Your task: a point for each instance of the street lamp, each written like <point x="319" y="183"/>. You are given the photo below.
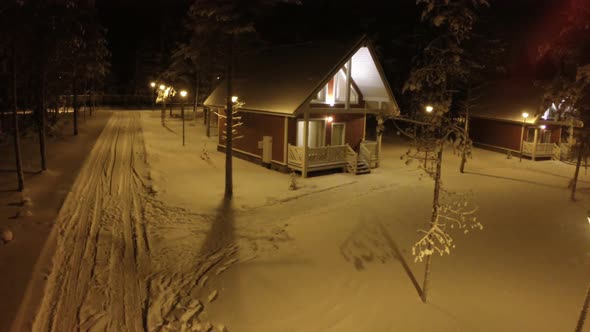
<point x="163" y="111"/>
<point x="183" y="94"/>
<point x="525" y="115"/>
<point x="428" y="110"/>
<point x="584" y="313"/>
<point x="152" y="97"/>
<point x="234" y="99"/>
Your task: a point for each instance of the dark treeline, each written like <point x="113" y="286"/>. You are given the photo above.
<point x="51" y="52"/>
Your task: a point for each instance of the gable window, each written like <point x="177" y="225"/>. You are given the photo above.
<point x="334" y="92"/>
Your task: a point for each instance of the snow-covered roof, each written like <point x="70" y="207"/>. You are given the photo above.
<point x="282" y="79"/>
<point x="507" y="99"/>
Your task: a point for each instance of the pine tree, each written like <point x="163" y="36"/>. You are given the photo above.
<point x="228" y="19"/>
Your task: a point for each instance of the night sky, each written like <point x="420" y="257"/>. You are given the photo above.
<point x="140" y="28"/>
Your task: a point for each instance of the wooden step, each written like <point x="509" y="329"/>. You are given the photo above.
<point x="362" y="168"/>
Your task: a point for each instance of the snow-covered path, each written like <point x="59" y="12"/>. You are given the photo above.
<point x="105" y="273"/>
<point x="101" y="261"/>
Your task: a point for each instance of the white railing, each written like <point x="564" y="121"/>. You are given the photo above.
<point x="326" y="155"/>
<point x="351" y="160"/>
<point x="365" y="155"/>
<point x="316" y="157"/>
<point x="544" y="149"/>
<point x="295" y="156"/>
<point x="541" y="150"/>
<point x="373" y="149"/>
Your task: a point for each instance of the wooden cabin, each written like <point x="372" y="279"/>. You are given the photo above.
<point x="497" y="122"/>
<point x="304" y="107"/>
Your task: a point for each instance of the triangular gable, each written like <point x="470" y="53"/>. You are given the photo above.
<point x="281" y="80"/>
<point x="368" y="76"/>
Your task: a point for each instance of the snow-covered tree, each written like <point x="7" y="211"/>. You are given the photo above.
<point x="569" y="87"/>
<point x="438" y="70"/>
<point x="228" y="19"/>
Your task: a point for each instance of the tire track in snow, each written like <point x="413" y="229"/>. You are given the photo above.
<point x="97" y="277"/>
<point x="117" y="267"/>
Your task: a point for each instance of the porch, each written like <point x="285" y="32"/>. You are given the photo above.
<point x="334" y="157"/>
<point x="537" y="150"/>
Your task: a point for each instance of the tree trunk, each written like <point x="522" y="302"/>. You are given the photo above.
<point x="16" y="133"/>
<point x="435" y="207"/>
<point x="91" y="98"/>
<point x="75" y="104"/>
<point x="229" y="122"/>
<point x="464" y="153"/>
<point x="196" y="102"/>
<point x="41" y="124"/>
<point x="207" y="116"/>
<point x="163" y="112"/>
<point x="578" y="163"/>
<point x="466" y="129"/>
<point x="584" y="312"/>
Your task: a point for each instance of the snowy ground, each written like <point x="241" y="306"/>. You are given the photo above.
<point x="31" y="223"/>
<point x="147" y="242"/>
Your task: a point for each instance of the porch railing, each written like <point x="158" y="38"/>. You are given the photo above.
<point x="351" y="160"/>
<point x="541" y="150"/>
<point x="295" y="155"/>
<point x="365" y="155"/>
<point x="373" y="152"/>
<point x="316" y="157"/>
<point x="325" y="155"/>
<point x="333" y="156"/>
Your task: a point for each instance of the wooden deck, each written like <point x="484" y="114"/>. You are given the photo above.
<point x="334" y="157"/>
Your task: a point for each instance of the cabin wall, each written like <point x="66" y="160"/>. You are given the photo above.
<point x="254" y="127"/>
<point x="495" y="133"/>
<point x="353" y="133"/>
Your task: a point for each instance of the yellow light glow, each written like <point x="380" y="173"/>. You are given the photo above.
<point x="429" y="109"/>
<point x="183" y="93"/>
<point x="234" y="99"/>
<point x="525" y="115"/>
<point x="162" y="87"/>
<point x="329" y="119"/>
<point x="542" y="126"/>
<point x="153" y="84"/>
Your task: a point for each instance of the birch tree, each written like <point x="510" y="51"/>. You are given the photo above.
<point x="437" y="71"/>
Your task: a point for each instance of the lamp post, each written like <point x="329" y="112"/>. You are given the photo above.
<point x="428" y="109"/>
<point x="163" y="112"/>
<point x="183" y="94"/>
<point x="153" y="92"/>
<point x="524" y="116"/>
<point x="584" y="312"/>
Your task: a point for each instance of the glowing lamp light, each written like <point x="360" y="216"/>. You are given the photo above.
<point x="542" y="126"/>
<point x="330" y="99"/>
<point x="183" y="93"/>
<point x="329" y="119"/>
<point x="153" y="84"/>
<point x="525" y="115"/>
<point x="162" y="87"/>
<point x="429" y="109"/>
<point x="234" y="99"/>
<point x="218" y="77"/>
